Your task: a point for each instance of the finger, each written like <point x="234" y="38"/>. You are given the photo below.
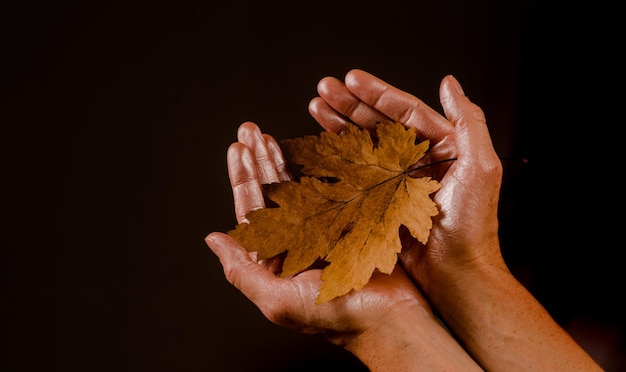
<point x="247" y="189"/>
<point x="253" y="280"/>
<point x="339" y="97"/>
<point x="278" y="159"/>
<point x="250" y="135"/>
<point x="326" y="116"/>
<point x="275" y="264"/>
<point x="473" y="137"/>
<point x="281" y="300"/>
<point x="398" y="105"/>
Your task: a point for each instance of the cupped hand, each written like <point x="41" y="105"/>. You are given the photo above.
<point x="387" y="324"/>
<point x="460" y="269"/>
<point x="464" y="233"/>
<point x="254" y="160"/>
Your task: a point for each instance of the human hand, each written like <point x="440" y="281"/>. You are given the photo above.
<point x="470" y="183"/>
<point x="460" y="269"/>
<point x="374" y="323"/>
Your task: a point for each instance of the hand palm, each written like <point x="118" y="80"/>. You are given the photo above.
<point x="255" y="160"/>
<point x="466" y="194"/>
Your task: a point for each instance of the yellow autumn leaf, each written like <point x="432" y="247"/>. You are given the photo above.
<point x="352" y="221"/>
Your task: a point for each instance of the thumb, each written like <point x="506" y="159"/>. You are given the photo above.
<point x="240" y="269"/>
<point x="453" y="99"/>
<point x="472" y="137"/>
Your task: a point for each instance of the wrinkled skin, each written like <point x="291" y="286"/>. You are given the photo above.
<point x="388" y="324"/>
<point x="470" y="184"/>
<point x="460" y="269"/>
<point x="365" y="322"/>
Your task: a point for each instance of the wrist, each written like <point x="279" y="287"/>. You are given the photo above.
<point x="502" y="324"/>
<point x="410" y="339"/>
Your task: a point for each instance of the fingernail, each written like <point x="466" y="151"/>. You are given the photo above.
<point x="454" y="84"/>
<point x="210" y="238"/>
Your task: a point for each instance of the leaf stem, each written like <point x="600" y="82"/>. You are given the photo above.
<point x="431" y="164"/>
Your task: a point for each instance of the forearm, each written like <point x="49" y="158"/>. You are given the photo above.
<point x="411" y="341"/>
<point x="504" y="327"/>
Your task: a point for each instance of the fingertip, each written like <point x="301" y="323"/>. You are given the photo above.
<point x="354" y="73"/>
<point x="351" y="77"/>
<point x="214" y="242"/>
<point x="314" y="105"/>
<point x="354" y="76"/>
<point x="247" y="132"/>
<point x="247" y="126"/>
<point x="233" y="148"/>
<point x="214" y="239"/>
<point x="325" y="84"/>
<point x="225" y="247"/>
<point x="239" y="154"/>
<point x="323" y="81"/>
<point x="451" y="85"/>
<point x="326" y="116"/>
<point x="212" y="236"/>
<point x="449" y="93"/>
<point x="360" y="83"/>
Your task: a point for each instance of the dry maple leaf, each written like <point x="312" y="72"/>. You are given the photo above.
<point x="353" y="222"/>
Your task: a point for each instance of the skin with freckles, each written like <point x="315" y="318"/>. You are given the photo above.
<point x="460" y="270"/>
<point x="388" y="324"/>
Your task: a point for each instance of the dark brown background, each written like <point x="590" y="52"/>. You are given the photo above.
<point x="116" y="123"/>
